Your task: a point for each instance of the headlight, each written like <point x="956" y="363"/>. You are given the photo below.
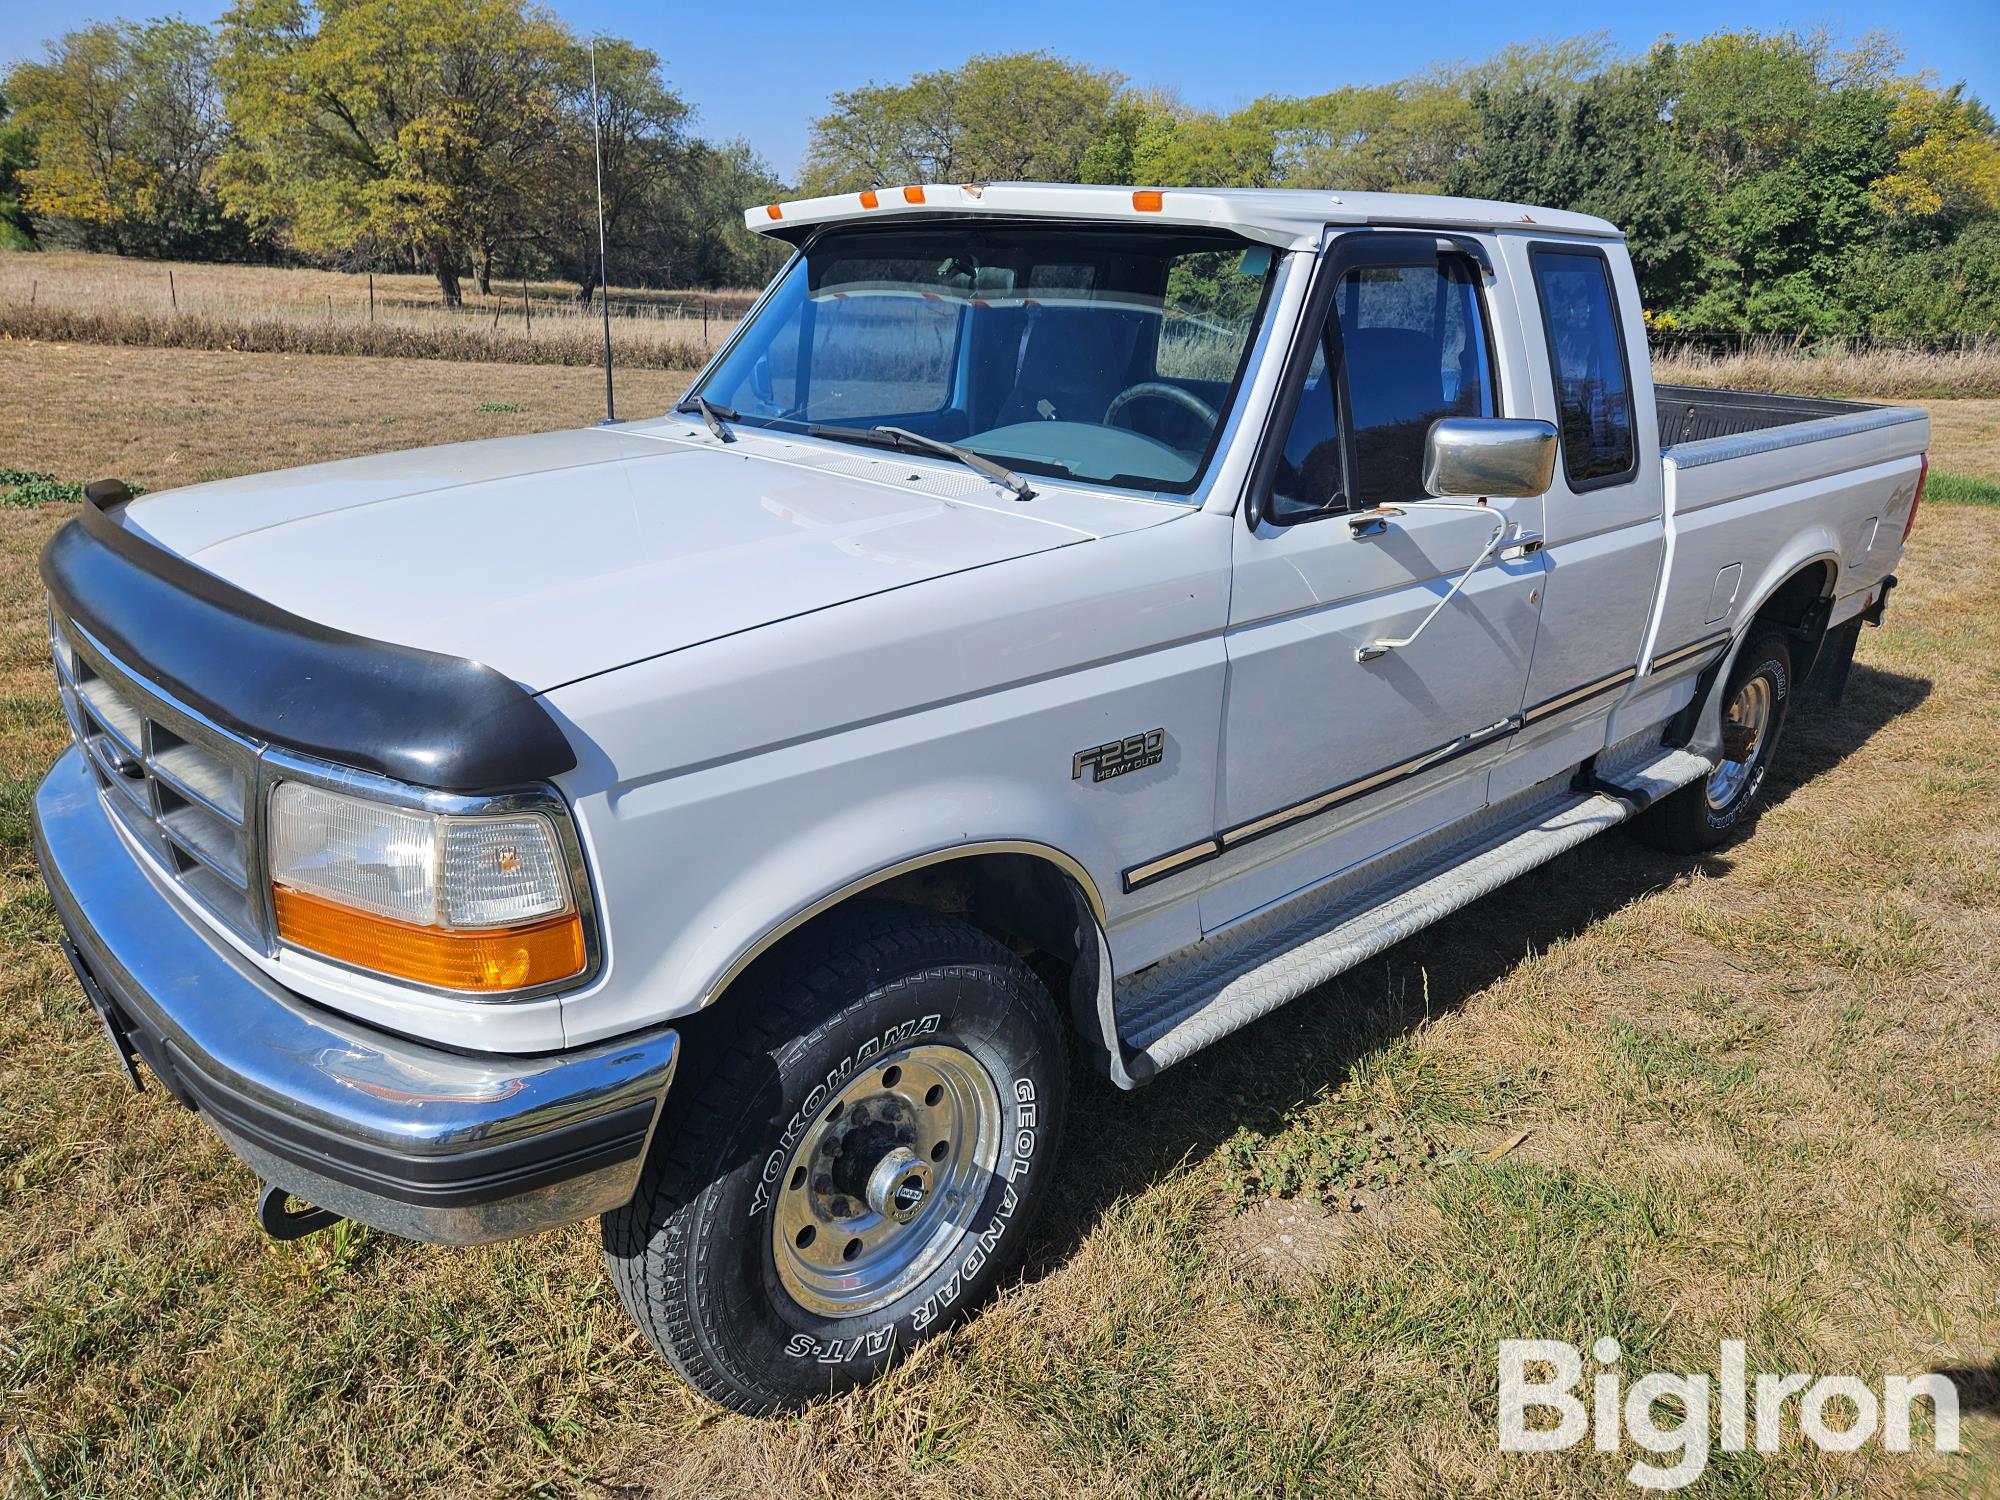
<point x="475" y="903"/>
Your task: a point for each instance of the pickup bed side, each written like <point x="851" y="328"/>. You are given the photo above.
<point x="1785" y="487"/>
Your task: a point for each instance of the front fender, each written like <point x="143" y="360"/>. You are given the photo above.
<point x="728" y="876"/>
<point x="731" y="937"/>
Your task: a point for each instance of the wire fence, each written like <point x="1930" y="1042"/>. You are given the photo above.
<point x="1716" y="342"/>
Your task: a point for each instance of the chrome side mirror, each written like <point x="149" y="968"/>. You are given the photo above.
<point x="1479" y="458"/>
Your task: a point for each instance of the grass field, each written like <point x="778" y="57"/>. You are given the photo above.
<point x="1675" y="1102"/>
<point x="72" y="296"/>
<point x="1888" y="374"/>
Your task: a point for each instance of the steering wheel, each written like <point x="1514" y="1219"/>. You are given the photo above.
<point x="1164" y="392"/>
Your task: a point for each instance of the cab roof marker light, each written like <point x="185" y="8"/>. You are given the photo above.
<point x="1148" y="200"/>
<point x="913" y="195"/>
<point x="869" y="199"/>
<point x="772" y="210"/>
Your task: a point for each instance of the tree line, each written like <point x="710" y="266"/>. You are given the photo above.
<point x="452" y="136"/>
<point x="1769" y="182"/>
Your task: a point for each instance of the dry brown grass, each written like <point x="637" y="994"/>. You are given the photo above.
<point x="163" y="417"/>
<point x="74" y="296"/>
<point x="1965" y="437"/>
<point x="1759" y="1090"/>
<point x="571" y="342"/>
<point x="1839" y="371"/>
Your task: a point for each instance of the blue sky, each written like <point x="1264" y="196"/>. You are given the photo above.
<point x="765" y="80"/>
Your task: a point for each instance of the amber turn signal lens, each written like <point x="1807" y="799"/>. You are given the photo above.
<point x="1149" y="200"/>
<point x="492" y="960"/>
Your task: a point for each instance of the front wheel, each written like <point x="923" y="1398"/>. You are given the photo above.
<point x="1706" y="814"/>
<point x="854" y="1169"/>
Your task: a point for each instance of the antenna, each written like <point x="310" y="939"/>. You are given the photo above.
<point x="603" y="275"/>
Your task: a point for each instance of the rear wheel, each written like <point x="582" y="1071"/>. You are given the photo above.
<point x="855" y="1166"/>
<point x="1707" y="813"/>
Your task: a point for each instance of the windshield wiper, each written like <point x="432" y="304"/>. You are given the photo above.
<point x="713" y="415"/>
<point x="1000" y="474"/>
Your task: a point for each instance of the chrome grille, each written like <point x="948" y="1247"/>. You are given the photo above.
<point x="180" y="785"/>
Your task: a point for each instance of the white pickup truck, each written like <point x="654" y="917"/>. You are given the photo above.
<point x="1062" y="623"/>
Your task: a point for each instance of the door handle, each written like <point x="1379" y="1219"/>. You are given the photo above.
<point x="1374" y="522"/>
<point x="1524" y="544"/>
<point x="1377" y="649"/>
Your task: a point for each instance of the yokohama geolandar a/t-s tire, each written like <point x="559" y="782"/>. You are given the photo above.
<point x="849" y="1160"/>
<point x="1709" y="812"/>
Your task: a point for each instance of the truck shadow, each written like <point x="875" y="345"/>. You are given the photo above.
<point x="1978" y="1386"/>
<point x="1253" y="1078"/>
<point x="1818" y="738"/>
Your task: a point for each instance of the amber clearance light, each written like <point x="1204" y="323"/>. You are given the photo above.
<point x="478" y="903"/>
<point x="504" y="958"/>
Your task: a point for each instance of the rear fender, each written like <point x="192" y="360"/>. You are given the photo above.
<point x="1701" y="723"/>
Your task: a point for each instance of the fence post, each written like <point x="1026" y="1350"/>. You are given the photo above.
<point x="371" y="296"/>
<point x="527" y="309"/>
<point x="172" y="296"/>
<point x="704" y="327"/>
<point x="329" y="307"/>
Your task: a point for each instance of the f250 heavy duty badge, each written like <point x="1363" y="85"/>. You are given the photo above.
<point x="1133" y="753"/>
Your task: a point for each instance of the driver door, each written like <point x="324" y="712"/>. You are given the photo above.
<point x="1329" y="760"/>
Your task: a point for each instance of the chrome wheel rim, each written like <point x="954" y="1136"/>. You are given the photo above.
<point x="885" y="1180"/>
<point x="1744" y="727"/>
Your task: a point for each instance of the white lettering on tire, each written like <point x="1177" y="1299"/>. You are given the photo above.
<point x="848" y="1066"/>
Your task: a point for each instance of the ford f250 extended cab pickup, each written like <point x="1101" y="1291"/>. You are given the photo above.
<point x="1063" y="622"/>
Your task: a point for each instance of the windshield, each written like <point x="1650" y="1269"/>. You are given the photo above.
<point x="1106" y="355"/>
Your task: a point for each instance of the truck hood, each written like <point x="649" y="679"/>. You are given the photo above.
<point x="556" y="556"/>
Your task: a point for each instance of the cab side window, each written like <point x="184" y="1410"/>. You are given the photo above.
<point x="1403" y="346"/>
<point x="1587" y="360"/>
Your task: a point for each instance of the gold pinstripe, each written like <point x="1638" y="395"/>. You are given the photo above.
<point x="1578" y="695"/>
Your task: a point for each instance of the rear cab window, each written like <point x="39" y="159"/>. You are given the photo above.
<point x="1586" y="347"/>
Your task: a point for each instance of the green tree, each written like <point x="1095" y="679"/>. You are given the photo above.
<point x="1947" y="154"/>
<point x="1001" y="116"/>
<point x="17" y="155"/>
<point x="1401" y="137"/>
<point x="1179" y="147"/>
<point x="1558" y="68"/>
<point x="719" y="250"/>
<point x="128" y="125"/>
<point x="365" y="123"/>
<point x="1605" y="150"/>
<point x="646" y="168"/>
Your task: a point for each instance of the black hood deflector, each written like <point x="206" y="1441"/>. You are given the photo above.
<point x="419" y="716"/>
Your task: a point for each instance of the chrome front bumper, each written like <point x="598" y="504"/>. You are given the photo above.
<point x="426" y="1143"/>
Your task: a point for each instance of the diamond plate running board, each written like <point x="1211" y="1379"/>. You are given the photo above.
<point x="1176" y="1007"/>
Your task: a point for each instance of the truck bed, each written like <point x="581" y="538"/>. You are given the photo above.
<point x="1759" y="483"/>
<point x="1690" y="413"/>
